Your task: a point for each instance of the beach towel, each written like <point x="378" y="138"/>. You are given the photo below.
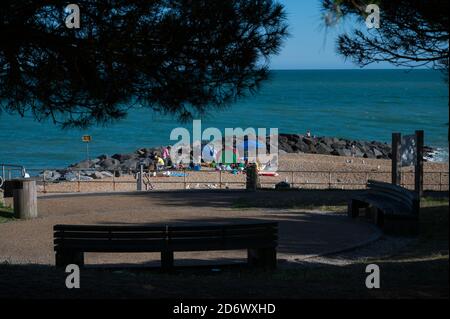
<point x="176" y="174"/>
<point x="269" y="174"/>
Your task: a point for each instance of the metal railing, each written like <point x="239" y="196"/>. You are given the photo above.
<point x="10" y="171"/>
<point x="187" y="179"/>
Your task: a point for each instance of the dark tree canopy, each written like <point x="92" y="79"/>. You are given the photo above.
<point x="176" y="56"/>
<point x="413" y="32"/>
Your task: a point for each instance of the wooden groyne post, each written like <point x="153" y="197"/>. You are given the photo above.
<point x="396" y="158"/>
<point x="418" y="176"/>
<point x="24" y="198"/>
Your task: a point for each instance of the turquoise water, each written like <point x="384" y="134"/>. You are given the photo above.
<point x="356" y="104"/>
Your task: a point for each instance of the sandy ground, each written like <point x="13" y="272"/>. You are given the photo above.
<point x="302" y="233"/>
<point x="302" y="170"/>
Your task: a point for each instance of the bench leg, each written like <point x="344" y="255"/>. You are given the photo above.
<point x="167" y="260"/>
<point x="378" y="217"/>
<point x="353" y="209"/>
<point x="64" y="258"/>
<point x="262" y="258"/>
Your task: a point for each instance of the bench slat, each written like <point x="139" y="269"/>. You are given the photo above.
<point x="393" y="188"/>
<point x="388" y="199"/>
<point x="393" y="198"/>
<point x="394" y="195"/>
<point x="170" y="241"/>
<point x="114" y="228"/>
<point x="180" y="247"/>
<point x="227" y="245"/>
<point x="225" y="226"/>
<point x="170" y="233"/>
<point x="386" y="205"/>
<point x="223" y="232"/>
<point x="108" y="235"/>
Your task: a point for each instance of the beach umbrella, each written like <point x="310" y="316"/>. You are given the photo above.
<point x="245" y="145"/>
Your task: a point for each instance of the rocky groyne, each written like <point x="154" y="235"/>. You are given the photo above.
<point x="293" y="143"/>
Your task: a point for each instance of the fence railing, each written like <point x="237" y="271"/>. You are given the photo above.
<point x="9" y="171"/>
<point x="120" y="180"/>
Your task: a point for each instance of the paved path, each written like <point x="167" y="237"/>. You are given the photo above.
<point x="302" y="233"/>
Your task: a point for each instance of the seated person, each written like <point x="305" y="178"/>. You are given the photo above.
<point x="159" y="163"/>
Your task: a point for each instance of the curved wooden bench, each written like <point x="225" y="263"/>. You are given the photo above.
<point x="72" y="241"/>
<point x="387" y="201"/>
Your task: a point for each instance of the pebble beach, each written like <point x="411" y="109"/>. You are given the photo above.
<point x="310" y="171"/>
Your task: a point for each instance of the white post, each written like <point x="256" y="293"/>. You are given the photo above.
<point x="140" y="179"/>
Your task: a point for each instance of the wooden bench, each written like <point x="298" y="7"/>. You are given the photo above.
<point x="384" y="201"/>
<point x="72" y="241"/>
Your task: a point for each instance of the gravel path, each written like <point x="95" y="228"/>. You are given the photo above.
<point x="303" y="234"/>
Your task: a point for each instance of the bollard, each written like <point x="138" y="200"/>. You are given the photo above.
<point x="25" y="198"/>
<point x="140" y="179"/>
<point x="252" y="178"/>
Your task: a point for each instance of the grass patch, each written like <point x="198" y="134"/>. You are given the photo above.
<point x="433" y="201"/>
<point x="308" y="199"/>
<point x="320" y="200"/>
<point x="6" y="213"/>
<point x="434" y="221"/>
<point x="246" y="204"/>
<point x="431" y="246"/>
<point x="241" y="203"/>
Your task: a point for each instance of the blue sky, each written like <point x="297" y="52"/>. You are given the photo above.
<point x="310" y="45"/>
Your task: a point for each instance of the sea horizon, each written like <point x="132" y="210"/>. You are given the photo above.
<point x="369" y="104"/>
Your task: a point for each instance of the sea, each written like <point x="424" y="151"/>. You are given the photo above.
<point x="354" y="104"/>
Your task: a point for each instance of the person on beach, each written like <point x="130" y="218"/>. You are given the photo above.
<point x="159" y="163"/>
<point x="166" y="156"/>
<point x="259" y="167"/>
<point x="308" y="134"/>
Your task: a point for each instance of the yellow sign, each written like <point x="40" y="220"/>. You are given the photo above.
<point x="86" y="138"/>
